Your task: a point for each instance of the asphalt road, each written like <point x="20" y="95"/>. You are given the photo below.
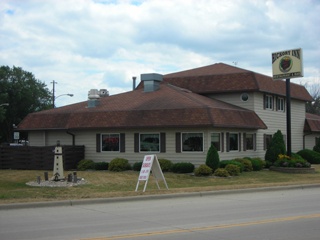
<point x="284" y="214"/>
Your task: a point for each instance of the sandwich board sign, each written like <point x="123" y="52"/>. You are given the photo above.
<point x="287" y="64"/>
<point x="150" y="163"/>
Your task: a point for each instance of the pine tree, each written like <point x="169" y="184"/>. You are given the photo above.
<point x="276" y="147"/>
<point x="212" y="159"/>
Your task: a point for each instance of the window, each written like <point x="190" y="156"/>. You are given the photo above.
<point x="150" y="142"/>
<point x="110" y="142"/>
<point x="280" y="104"/>
<point x="234" y="142"/>
<point x="192" y="142"/>
<point x="216" y="141"/>
<point x="269" y="102"/>
<point x="249" y="141"/>
<point x="244" y="97"/>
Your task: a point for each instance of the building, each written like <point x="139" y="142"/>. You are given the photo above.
<point x="178" y="116"/>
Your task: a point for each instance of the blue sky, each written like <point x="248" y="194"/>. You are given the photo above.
<point x="86" y="44"/>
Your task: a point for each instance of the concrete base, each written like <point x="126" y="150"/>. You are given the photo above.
<point x="292" y="170"/>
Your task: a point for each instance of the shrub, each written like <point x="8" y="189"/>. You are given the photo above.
<point x="316" y="148"/>
<point x="233" y="169"/>
<point x="182" y="168"/>
<point x="309" y="155"/>
<point x="119" y="165"/>
<point x="85" y="164"/>
<point x="224" y="163"/>
<point x="137" y="166"/>
<point x="247" y="165"/>
<point x="203" y="170"/>
<point x="165" y="165"/>
<point x="296" y="156"/>
<point x="256" y="164"/>
<point x="212" y="159"/>
<point x="268" y="164"/>
<point x="276" y="147"/>
<point x="221" y="172"/>
<point x="262" y="162"/>
<point x="295" y="163"/>
<point x="101" y="166"/>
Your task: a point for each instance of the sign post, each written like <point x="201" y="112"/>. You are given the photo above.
<point x="150" y="163"/>
<point x="287" y="64"/>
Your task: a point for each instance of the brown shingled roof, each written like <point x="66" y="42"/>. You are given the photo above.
<point x="167" y="107"/>
<point x="312" y="123"/>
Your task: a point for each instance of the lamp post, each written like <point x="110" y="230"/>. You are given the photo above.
<point x="67" y="94"/>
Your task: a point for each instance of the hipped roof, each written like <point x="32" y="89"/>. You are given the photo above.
<point x="312" y="123"/>
<point x="169" y="106"/>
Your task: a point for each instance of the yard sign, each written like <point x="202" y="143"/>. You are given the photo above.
<point x="150" y="163"/>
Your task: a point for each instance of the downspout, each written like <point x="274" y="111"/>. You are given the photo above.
<point x="73" y="137"/>
<point x="304" y="140"/>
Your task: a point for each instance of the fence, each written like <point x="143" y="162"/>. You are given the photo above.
<point x="38" y="158"/>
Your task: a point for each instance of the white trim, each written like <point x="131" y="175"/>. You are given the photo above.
<point x="192" y="151"/>
<point x="280" y="110"/>
<point x="102" y="140"/>
<point x="271" y="101"/>
<point x="219" y="137"/>
<point x="150" y="151"/>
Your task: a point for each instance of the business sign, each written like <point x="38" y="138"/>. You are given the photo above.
<point x="287" y="64"/>
<point x="150" y="164"/>
<point x="16" y="135"/>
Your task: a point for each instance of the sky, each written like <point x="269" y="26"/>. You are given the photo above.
<point x="101" y="44"/>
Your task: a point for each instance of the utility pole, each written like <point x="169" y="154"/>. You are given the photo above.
<point x="53" y="82"/>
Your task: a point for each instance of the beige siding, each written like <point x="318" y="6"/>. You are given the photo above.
<point x="37" y="138"/>
<point x="235" y="99"/>
<point x="310" y="140"/>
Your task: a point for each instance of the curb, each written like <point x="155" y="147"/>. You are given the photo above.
<point x="71" y="203"/>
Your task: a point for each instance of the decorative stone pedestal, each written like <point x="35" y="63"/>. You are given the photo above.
<point x="292" y="170"/>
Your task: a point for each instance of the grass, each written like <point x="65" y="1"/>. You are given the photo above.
<point x="101" y="184"/>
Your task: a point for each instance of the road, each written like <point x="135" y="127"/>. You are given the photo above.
<point x="285" y="214"/>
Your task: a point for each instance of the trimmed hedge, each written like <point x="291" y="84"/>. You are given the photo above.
<point x="256" y="164"/>
<point x="101" y="166"/>
<point x="224" y="163"/>
<point x="203" y="170"/>
<point x="233" y="170"/>
<point x="221" y="172"/>
<point x="247" y="165"/>
<point x="137" y="166"/>
<point x="165" y="164"/>
<point x="309" y="155"/>
<point x="119" y="165"/>
<point x="182" y="167"/>
<point x="85" y="164"/>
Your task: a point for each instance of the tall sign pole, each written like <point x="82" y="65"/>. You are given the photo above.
<point x="285" y="65"/>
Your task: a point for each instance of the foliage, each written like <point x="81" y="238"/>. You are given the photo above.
<point x="256" y="164"/>
<point x="203" y="170"/>
<point x="119" y="165"/>
<point x="233" y="170"/>
<point x="224" y="163"/>
<point x="165" y="165"/>
<point x="296" y="156"/>
<point x="25" y="94"/>
<point x="182" y="167"/>
<point x="85" y="164"/>
<point x="276" y="147"/>
<point x="262" y="162"/>
<point x="316" y="148"/>
<point x="247" y="165"/>
<point x="101" y="166"/>
<point x="286" y="161"/>
<point x="221" y="172"/>
<point x="137" y="166"/>
<point x="309" y="155"/>
<point x="212" y="159"/>
<point x="268" y="164"/>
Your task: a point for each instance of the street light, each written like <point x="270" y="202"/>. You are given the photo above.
<point x="4" y="104"/>
<point x="67" y="94"/>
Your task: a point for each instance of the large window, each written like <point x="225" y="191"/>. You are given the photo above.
<point x="192" y="142"/>
<point x="110" y="142"/>
<point x="280" y="104"/>
<point x="150" y="142"/>
<point x="234" y="142"/>
<point x="249" y="141"/>
<point x="269" y="102"/>
<point x="216" y="140"/>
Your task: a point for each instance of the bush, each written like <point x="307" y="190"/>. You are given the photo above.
<point x="295" y="163"/>
<point x="316" y="148"/>
<point x="233" y="170"/>
<point x="119" y="165"/>
<point x="256" y="164"/>
<point x="212" y="159"/>
<point x="309" y="155"/>
<point x="296" y="156"/>
<point x="137" y="166"/>
<point x="268" y="164"/>
<point x="247" y="165"/>
<point x="203" y="170"/>
<point x="221" y="172"/>
<point x="276" y="147"/>
<point x="165" y="165"/>
<point x="182" y="168"/>
<point x="224" y="163"/>
<point x="101" y="166"/>
<point x="85" y="164"/>
<point x="262" y="162"/>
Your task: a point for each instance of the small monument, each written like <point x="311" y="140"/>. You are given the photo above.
<point x="58" y="163"/>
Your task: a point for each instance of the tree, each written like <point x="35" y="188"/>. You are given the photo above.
<point x="212" y="159"/>
<point x="317" y="146"/>
<point x="276" y="147"/>
<point x="314" y="107"/>
<point x="24" y="93"/>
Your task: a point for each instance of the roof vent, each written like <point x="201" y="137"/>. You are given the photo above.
<point x="151" y="81"/>
<point x="103" y="93"/>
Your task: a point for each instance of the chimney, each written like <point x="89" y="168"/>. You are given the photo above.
<point x="93" y="96"/>
<point x="134" y="83"/>
<point x="151" y="81"/>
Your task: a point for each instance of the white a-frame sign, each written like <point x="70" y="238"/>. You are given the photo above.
<point x="150" y="163"/>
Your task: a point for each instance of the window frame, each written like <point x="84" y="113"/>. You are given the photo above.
<point x="238" y="137"/>
<point x="182" y="133"/>
<point x="268" y="102"/>
<point x="220" y="139"/>
<point x="151" y="133"/>
<point x="279" y="100"/>
<point x="101" y="142"/>
<point x="253" y="142"/>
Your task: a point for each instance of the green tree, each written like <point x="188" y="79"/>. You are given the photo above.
<point x="212" y="159"/>
<point x="276" y="147"/>
<point x="24" y="93"/>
